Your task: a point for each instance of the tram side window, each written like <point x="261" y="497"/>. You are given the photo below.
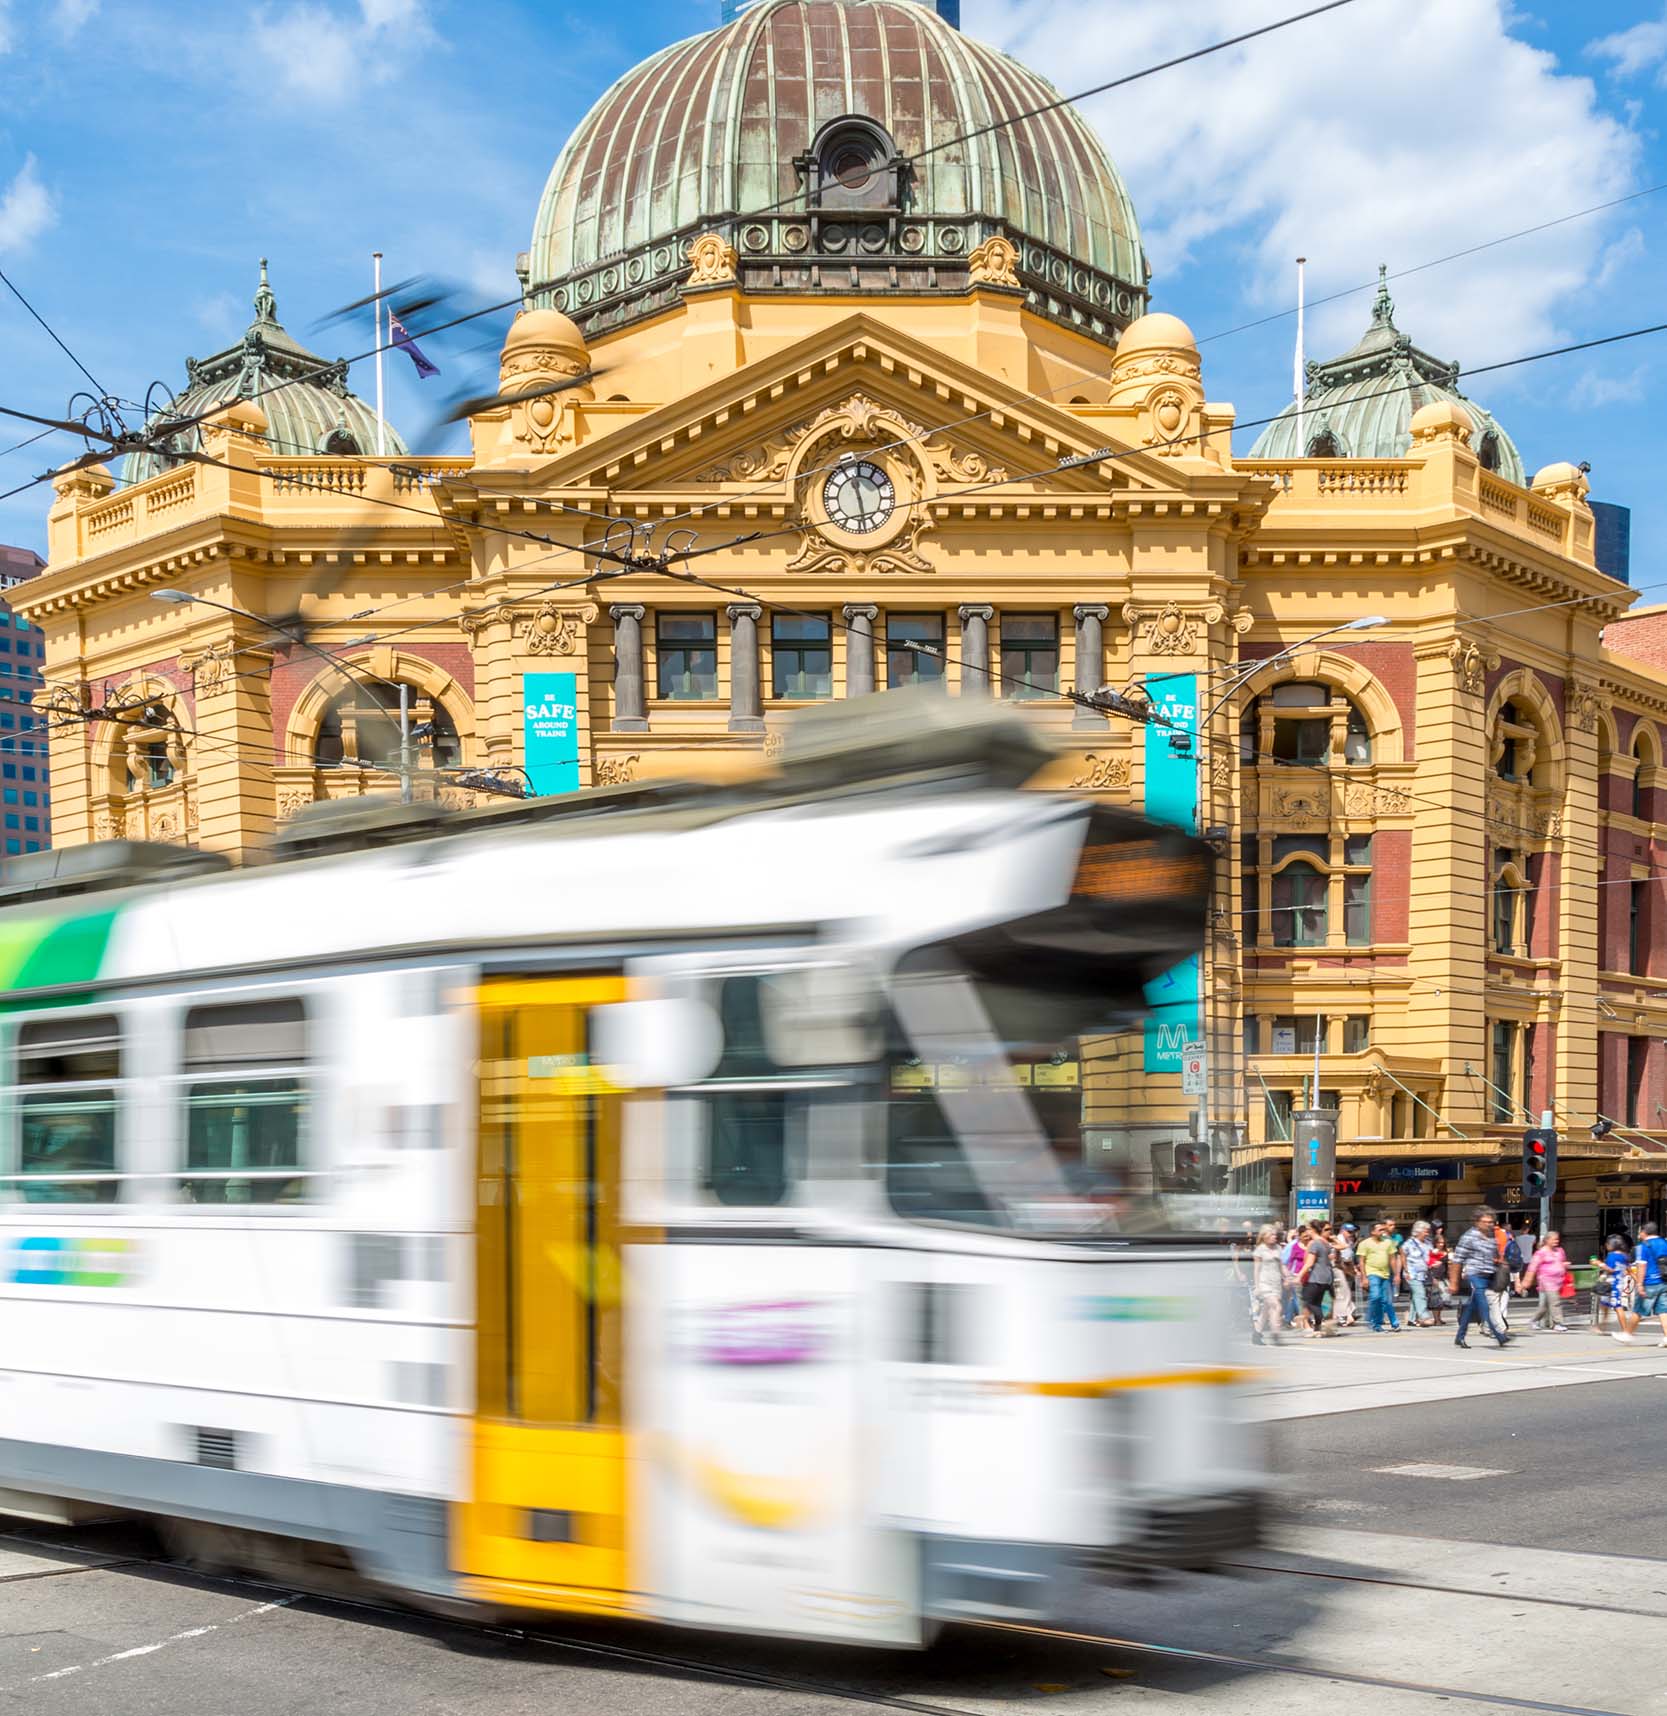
<point x="245" y="1070"/>
<point x="67" y="1071"/>
<point x="751" y="1126"/>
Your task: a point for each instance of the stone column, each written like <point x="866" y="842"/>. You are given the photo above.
<point x="975" y="651"/>
<point x="746" y="713"/>
<point x="629" y="713"/>
<point x="1091" y="662"/>
<point x="859" y="650"/>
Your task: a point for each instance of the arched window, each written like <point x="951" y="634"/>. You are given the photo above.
<point x="342" y="444"/>
<point x="853" y="164"/>
<point x="1646" y="759"/>
<point x="1315" y="880"/>
<point x="1306" y="725"/>
<point x="1515" y="743"/>
<point x="361" y="727"/>
<point x="1325" y="445"/>
<point x="1513" y="926"/>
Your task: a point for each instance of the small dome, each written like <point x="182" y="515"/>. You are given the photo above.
<point x="1439" y="414"/>
<point x="304" y="398"/>
<point x="866" y="135"/>
<point x="1555" y="475"/>
<point x="545" y="330"/>
<point x="1362" y="405"/>
<point x="1157" y="332"/>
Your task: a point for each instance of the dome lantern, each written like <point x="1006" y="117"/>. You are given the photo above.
<point x="309" y="409"/>
<point x="1364" y="404"/>
<point x="841" y="147"/>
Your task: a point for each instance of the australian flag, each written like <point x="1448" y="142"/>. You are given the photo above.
<point x="398" y="336"/>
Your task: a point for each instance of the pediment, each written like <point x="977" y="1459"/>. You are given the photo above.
<point x="969" y="437"/>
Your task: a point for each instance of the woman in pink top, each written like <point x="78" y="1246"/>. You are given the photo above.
<point x="1548" y="1269"/>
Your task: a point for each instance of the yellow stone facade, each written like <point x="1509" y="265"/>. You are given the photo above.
<point x="1482" y="740"/>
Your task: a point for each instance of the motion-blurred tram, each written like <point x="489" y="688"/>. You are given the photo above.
<point x="673" y="1202"/>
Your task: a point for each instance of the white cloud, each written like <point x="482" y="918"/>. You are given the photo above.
<point x="26" y="209"/>
<point x="68" y="16"/>
<point x="1394" y="133"/>
<point x="1627" y="248"/>
<point x="1593" y="391"/>
<point x="1639" y="49"/>
<point x="326" y="53"/>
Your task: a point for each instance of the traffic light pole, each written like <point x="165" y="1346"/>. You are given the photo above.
<point x="1548" y="1121"/>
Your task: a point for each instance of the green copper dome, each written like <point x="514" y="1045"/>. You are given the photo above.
<point x="308" y="407"/>
<point x="1361" y="405"/>
<point x="841" y="146"/>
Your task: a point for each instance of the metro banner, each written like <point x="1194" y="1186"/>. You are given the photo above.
<point x="1172" y="796"/>
<point x="550" y="731"/>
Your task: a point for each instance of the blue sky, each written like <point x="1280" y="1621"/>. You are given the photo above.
<point x="150" y="153"/>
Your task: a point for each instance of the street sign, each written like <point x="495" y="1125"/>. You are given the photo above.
<point x="1192" y="1069"/>
<point x="1313" y="1201"/>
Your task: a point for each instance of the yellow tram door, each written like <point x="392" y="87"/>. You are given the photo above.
<point x="544" y="1525"/>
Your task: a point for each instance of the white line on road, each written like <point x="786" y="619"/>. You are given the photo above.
<point x="1458" y="1474"/>
<point x="149" y="1649"/>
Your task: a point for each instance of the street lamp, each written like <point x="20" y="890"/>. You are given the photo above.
<point x="184" y="598"/>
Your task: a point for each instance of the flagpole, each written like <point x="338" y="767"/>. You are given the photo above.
<point x="1299" y="379"/>
<point x="376" y="302"/>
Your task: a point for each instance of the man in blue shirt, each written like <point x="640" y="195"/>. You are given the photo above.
<point x="1650" y="1267"/>
<point x="1475" y="1258"/>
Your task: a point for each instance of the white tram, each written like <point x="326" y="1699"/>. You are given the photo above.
<point x="658" y="1204"/>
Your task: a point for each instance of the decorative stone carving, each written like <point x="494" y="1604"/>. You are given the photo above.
<point x="1221" y="767"/>
<point x="994" y="263"/>
<point x="1393" y="801"/>
<point x="1471" y="664"/>
<point x="1171" y="630"/>
<point x="1301" y="804"/>
<point x="109" y="825"/>
<point x="290" y="803"/>
<point x="1359" y="799"/>
<point x="214" y="669"/>
<point x="550" y="630"/>
<point x="712" y="260"/>
<point x="1164" y="363"/>
<point x="1587" y="703"/>
<point x="616" y="770"/>
<point x="1102" y="774"/>
<point x="1169" y="410"/>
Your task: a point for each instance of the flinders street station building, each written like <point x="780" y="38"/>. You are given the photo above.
<point x="840" y="369"/>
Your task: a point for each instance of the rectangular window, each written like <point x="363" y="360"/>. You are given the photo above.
<point x="30" y="798"/>
<point x="1029" y="656"/>
<point x="907" y="664"/>
<point x="244" y="1069"/>
<point x="67" y="1074"/>
<point x="801" y="656"/>
<point x="753" y="1123"/>
<point x="1504" y="917"/>
<point x="31" y="825"/>
<point x="1504" y="1057"/>
<point x="13" y="847"/>
<point x="1636" y="950"/>
<point x="686" y="657"/>
<point x="10" y="795"/>
<point x="1357" y="1033"/>
<point x="1252" y="1034"/>
<point x="1525" y="1072"/>
<point x="1295" y="1033"/>
<point x="1637" y="1065"/>
<point x="1357" y="908"/>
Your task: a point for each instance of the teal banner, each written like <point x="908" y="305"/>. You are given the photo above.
<point x="1172" y="796"/>
<point x="550" y="731"/>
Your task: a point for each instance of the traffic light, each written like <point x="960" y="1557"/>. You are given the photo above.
<point x="1539" y="1163"/>
<point x="1189" y="1164"/>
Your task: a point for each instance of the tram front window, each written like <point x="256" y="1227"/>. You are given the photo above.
<point x="1027" y="1110"/>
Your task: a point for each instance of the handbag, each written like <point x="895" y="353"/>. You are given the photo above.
<point x="1566" y="1291"/>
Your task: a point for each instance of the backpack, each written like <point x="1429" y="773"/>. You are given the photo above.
<point x="1513" y="1254"/>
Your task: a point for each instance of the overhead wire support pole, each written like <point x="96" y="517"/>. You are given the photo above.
<point x="376" y="311"/>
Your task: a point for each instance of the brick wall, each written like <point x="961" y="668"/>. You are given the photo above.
<point x="1391" y="881"/>
<point x="1642" y="636"/>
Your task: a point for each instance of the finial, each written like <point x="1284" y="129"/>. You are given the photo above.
<point x="1383" y="307"/>
<point x="266" y="306"/>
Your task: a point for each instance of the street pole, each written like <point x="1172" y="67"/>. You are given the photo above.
<point x="404" y="743"/>
<point x="1548" y="1121"/>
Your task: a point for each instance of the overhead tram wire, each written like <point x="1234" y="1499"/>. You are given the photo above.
<point x="52" y="334"/>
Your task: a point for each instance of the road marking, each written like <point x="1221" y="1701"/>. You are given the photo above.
<point x="148" y="1649"/>
<point x="1459" y="1474"/>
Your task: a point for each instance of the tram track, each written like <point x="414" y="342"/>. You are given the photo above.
<point x="768" y="1680"/>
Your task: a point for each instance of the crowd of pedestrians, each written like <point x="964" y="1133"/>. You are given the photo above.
<point x="1324" y="1276"/>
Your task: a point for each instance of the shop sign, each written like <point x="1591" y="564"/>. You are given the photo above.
<point x="1635" y="1194"/>
<point x="1417" y="1171"/>
<point x="1379" y="1188"/>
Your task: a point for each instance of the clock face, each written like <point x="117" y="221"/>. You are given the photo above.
<point x="859" y="497"/>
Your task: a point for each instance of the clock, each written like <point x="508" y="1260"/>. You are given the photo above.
<point x="858" y="496"/>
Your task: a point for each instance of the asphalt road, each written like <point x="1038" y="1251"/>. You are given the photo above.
<point x="1407" y="1594"/>
<point x="1582" y="1469"/>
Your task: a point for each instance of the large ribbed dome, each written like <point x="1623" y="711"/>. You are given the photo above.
<point x="306" y="400"/>
<point x="1361" y="405"/>
<point x="839" y="145"/>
